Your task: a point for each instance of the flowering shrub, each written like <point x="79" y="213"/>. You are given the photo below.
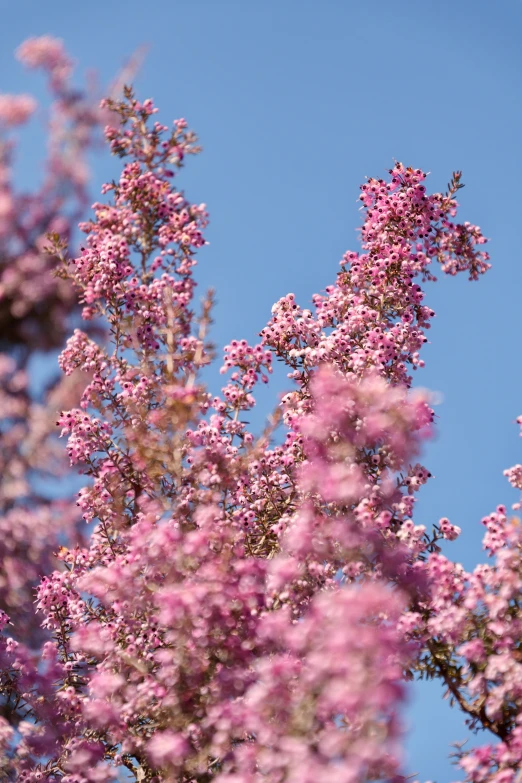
<point x="247" y="607"/>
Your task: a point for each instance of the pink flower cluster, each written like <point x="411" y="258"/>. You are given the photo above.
<point x="48" y="54"/>
<point x="247" y="609"/>
<point x="16" y="109"/>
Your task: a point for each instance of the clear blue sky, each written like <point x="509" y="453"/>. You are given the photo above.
<point x="295" y="103"/>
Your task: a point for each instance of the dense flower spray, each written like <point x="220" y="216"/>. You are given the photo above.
<point x="248" y="608"/>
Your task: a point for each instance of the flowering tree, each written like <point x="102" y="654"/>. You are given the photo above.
<point x="247" y="607"/>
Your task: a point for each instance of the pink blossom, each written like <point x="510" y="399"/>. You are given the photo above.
<point x="16" y="109"/>
<point x="167" y="748"/>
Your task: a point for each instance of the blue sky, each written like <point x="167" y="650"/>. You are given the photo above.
<point x="295" y="102"/>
